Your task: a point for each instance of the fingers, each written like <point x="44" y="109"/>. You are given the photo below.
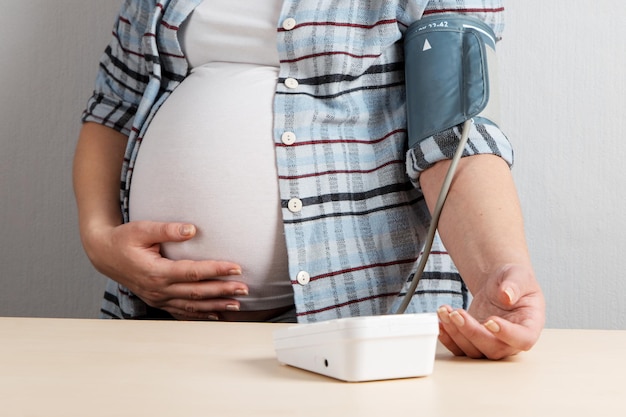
<point x="209" y="309"/>
<point x="461" y="336"/>
<point x="448" y="342"/>
<point x="198" y="300"/>
<point x="196" y="286"/>
<point x="516" y="282"/>
<point x="194" y="290"/>
<point x="195" y="271"/>
<point x="518" y="336"/>
<point x="149" y="232"/>
<point x="207" y="295"/>
<point x="495" y="339"/>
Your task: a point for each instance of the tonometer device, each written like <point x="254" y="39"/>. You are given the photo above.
<point x="451" y="80"/>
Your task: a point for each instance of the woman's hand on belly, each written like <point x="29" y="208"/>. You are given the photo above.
<point x="131" y="255"/>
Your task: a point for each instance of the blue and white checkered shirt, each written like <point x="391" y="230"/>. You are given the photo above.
<point x="354" y="242"/>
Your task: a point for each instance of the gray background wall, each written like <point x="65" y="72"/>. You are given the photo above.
<point x="563" y="90"/>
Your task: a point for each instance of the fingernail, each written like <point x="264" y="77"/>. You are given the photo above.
<point x="232" y="307"/>
<point x="457" y="319"/>
<point x="213" y="317"/>
<point x="492" y="326"/>
<point x="443" y="315"/>
<point x="186" y="230"/>
<point x="510" y="293"/>
<point x="234" y="271"/>
<point x="241" y="291"/>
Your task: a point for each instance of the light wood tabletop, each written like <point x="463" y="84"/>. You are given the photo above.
<point x="92" y="368"/>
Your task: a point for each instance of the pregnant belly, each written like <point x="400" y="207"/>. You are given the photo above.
<point x="208" y="159"/>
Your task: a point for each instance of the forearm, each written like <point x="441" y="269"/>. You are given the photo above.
<point x="96" y="177"/>
<point x="481" y="224"/>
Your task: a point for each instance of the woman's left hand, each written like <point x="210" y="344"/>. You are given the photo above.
<point x="505" y="317"/>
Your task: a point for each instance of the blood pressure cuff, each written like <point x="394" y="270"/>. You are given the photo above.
<point x="451" y="74"/>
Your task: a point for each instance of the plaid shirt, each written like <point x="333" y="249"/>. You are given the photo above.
<point x="354" y="240"/>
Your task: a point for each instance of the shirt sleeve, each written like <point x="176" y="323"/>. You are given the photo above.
<point x="489" y="11"/>
<point x="483" y="139"/>
<point x="123" y="74"/>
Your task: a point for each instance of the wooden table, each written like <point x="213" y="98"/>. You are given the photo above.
<point x="91" y="368"/>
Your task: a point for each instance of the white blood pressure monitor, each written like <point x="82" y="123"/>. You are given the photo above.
<point x="362" y="348"/>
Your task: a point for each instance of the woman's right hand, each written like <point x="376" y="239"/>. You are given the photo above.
<point x="191" y="290"/>
<point x="131" y="253"/>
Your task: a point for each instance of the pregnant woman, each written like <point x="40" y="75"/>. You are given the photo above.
<point x="265" y="174"/>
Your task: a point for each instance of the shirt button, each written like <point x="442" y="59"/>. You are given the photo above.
<point x="294" y="205"/>
<point x="291" y="83"/>
<point x="288" y="138"/>
<point x="289" y="23"/>
<point x="303" y="278"/>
